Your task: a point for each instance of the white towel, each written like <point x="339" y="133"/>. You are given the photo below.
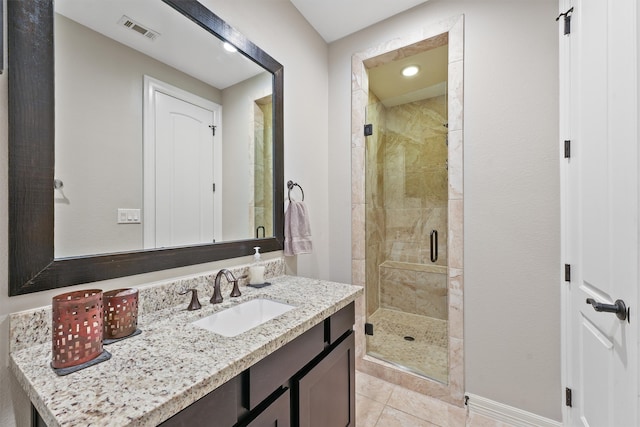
<point x="297" y="231"/>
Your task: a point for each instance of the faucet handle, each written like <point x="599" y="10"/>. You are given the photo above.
<point x="195" y="303"/>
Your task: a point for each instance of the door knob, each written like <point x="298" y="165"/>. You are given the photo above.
<point x="619" y="307"/>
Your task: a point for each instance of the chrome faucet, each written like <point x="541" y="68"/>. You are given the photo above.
<point x="217" y="295"/>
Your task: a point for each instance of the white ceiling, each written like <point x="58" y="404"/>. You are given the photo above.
<point x="334" y="19"/>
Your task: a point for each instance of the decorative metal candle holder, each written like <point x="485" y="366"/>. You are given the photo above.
<point x="77" y="327"/>
<point x="120" y="313"/>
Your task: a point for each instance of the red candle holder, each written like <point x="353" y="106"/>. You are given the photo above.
<point x="120" y="312"/>
<point x="77" y="327"/>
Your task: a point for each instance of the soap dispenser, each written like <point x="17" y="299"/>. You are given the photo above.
<point x="256" y="271"/>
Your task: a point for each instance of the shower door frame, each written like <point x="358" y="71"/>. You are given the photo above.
<point x="452" y="32"/>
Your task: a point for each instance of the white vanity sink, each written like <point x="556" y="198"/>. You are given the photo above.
<point x="242" y="317"/>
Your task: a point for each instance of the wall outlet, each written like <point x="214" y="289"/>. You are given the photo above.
<point x="129" y="216"/>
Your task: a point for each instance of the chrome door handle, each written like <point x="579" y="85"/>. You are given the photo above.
<point x="619" y="308"/>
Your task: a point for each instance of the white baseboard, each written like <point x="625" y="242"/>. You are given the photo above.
<point x="507" y="414"/>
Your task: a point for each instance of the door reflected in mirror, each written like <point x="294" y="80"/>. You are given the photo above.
<point x="212" y="178"/>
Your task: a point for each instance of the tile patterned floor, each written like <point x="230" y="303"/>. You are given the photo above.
<point x="382" y="404"/>
<point x="428" y="352"/>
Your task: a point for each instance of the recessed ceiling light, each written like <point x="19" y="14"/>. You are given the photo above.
<point x="229" y="47"/>
<point x="410" y="70"/>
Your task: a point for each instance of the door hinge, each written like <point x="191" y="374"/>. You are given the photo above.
<point x="567" y="148"/>
<point x="213" y="129"/>
<point x="567" y="397"/>
<point x="368" y="328"/>
<point x="368" y="130"/>
<point x="567" y="21"/>
<point x="567" y="272"/>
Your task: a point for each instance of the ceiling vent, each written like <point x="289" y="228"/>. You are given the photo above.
<point x="129" y="23"/>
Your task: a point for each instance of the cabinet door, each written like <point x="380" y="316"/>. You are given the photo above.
<point x="326" y="393"/>
<point x="277" y="414"/>
<point x="276" y="369"/>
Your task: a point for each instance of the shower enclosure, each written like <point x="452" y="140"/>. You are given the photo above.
<point x="406" y="216"/>
<point x="261" y="205"/>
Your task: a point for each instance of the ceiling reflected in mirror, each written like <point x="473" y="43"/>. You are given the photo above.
<point x="158" y="31"/>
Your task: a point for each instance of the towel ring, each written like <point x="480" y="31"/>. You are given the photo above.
<point x="290" y="185"/>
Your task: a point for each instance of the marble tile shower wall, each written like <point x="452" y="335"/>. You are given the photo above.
<point x="374" y="200"/>
<point x="415" y="180"/>
<point x="406" y="198"/>
<point x="263" y="187"/>
<point x="414" y="288"/>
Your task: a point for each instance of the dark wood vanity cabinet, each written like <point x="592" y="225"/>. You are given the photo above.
<point x="309" y="382"/>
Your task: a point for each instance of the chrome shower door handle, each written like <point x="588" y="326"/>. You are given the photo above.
<point x="434" y="245"/>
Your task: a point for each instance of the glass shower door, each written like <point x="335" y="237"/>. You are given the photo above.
<point x="406" y="199"/>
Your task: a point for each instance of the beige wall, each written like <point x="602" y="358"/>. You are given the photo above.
<point x="511" y="178"/>
<point x="304" y="56"/>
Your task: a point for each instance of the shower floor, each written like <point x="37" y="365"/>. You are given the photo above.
<point x="426" y="355"/>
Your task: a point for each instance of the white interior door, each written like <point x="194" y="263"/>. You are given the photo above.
<point x="184" y="173"/>
<point x="182" y="161"/>
<point x="600" y="211"/>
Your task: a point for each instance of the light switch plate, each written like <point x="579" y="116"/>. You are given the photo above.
<point x="129" y="216"/>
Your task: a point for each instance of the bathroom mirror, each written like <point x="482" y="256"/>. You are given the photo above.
<point x="166" y="152"/>
<point x="34" y="262"/>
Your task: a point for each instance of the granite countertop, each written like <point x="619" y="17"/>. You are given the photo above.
<point x="154" y="375"/>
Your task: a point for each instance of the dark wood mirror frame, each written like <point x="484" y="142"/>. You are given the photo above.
<point x="32" y="264"/>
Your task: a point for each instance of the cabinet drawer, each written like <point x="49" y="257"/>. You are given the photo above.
<point x="218" y="408"/>
<point x="340" y="323"/>
<point x="275" y="370"/>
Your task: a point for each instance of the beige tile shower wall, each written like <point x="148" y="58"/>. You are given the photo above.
<point x="414" y="288"/>
<point x="406" y="198"/>
<point x="374" y="200"/>
<point x="263" y="160"/>
<point x="415" y="180"/>
<point x="256" y="210"/>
